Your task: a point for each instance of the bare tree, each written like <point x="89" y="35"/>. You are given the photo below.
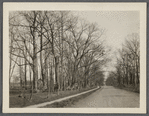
<point x="67" y="49"/>
<point x="128" y="64"/>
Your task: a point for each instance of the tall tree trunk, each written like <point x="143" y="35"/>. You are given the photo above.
<point x="10" y="62"/>
<point x="56" y="70"/>
<point x="25" y="76"/>
<point x="45" y="73"/>
<point x="42" y="75"/>
<point x="56" y="73"/>
<point x="51" y="79"/>
<point x="62" y="76"/>
<point x="25" y="71"/>
<point x="30" y="75"/>
<point x="20" y="71"/>
<point x="135" y="64"/>
<point x="32" y="88"/>
<point x="35" y="68"/>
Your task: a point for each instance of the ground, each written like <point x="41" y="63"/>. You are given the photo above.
<point x="109" y="96"/>
<point x="40" y="97"/>
<point x="106" y="97"/>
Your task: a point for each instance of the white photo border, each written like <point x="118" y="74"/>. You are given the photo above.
<point x="10" y="6"/>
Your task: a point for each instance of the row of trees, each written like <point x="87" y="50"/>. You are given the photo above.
<point x="55" y="50"/>
<point x="128" y="63"/>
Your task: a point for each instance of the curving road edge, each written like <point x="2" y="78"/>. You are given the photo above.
<point x="59" y="100"/>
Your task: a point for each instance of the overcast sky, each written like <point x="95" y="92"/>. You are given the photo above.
<point x="118" y="24"/>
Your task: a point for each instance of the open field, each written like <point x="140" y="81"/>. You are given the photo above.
<point x="40" y="97"/>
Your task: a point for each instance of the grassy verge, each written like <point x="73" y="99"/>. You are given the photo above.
<point x="129" y="88"/>
<point x="18" y="102"/>
<point x="68" y="102"/>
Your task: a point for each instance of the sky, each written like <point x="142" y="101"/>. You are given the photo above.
<point x="117" y="25"/>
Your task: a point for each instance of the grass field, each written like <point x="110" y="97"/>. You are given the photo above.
<point x="69" y="102"/>
<point x="16" y="102"/>
<point x="130" y="88"/>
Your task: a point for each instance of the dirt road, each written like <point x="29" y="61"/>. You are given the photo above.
<point x="109" y="96"/>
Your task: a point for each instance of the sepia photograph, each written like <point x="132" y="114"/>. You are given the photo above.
<point x="74" y="58"/>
